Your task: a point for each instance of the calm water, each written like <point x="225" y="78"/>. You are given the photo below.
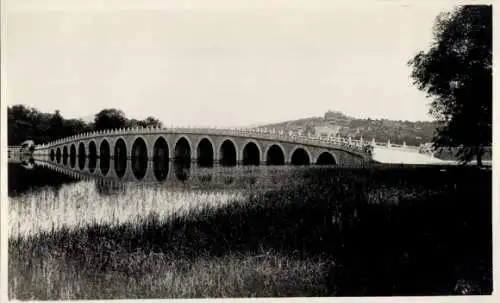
<point x="48" y="194"/>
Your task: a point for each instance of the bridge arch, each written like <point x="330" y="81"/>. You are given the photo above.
<point x="104" y="157"/>
<point x="65" y="155"/>
<point x="139" y="158"/>
<point x="120" y="157"/>
<point x="104" y="150"/>
<point x="92" y="149"/>
<point x="205" y="152"/>
<point x="275" y="154"/>
<point x="120" y="150"/>
<point x="251" y="153"/>
<point x="228" y="152"/>
<point x="92" y="163"/>
<point x="160" y="149"/>
<point x="81" y="155"/>
<point x="52" y="155"/>
<point x="81" y="150"/>
<point x="182" y="149"/>
<point x="139" y="148"/>
<point x="72" y="155"/>
<point x="72" y="150"/>
<point x="160" y="158"/>
<point x="58" y="155"/>
<point x="81" y="162"/>
<point x="326" y="158"/>
<point x="300" y="155"/>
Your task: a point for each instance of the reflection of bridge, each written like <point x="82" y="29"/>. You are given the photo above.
<point x="227" y="147"/>
<point x="159" y="172"/>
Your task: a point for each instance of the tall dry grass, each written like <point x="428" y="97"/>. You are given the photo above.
<point x="76" y="206"/>
<point x="139" y="274"/>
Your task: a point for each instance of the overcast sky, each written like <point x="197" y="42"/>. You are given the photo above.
<point x="222" y="63"/>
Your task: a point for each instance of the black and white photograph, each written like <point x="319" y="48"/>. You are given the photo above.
<point x="246" y="149"/>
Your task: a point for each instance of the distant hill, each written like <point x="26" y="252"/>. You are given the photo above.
<point x="382" y="130"/>
<point x="88" y="119"/>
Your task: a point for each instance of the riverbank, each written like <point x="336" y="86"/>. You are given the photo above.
<point x="342" y="232"/>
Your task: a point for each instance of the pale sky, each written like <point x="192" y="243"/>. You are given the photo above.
<point x="224" y="63"/>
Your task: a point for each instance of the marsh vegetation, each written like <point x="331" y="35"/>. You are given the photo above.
<point x="301" y="232"/>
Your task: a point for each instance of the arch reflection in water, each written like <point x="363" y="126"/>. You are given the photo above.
<point x="104" y="160"/>
<point x="205" y="178"/>
<point x="81" y="162"/>
<point x="72" y="156"/>
<point x="65" y="155"/>
<point x="120" y="158"/>
<point x="92" y="164"/>
<point x="120" y="166"/>
<point x="184" y="175"/>
<point x="104" y="164"/>
<point x="160" y="169"/>
<point x="110" y="188"/>
<point x="160" y="159"/>
<point x="139" y="158"/>
<point x="228" y="180"/>
<point x="58" y="155"/>
<point x="182" y="170"/>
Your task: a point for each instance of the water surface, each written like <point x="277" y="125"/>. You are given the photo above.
<point x="48" y="194"/>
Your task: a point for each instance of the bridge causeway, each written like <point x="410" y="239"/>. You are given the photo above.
<point x="227" y="146"/>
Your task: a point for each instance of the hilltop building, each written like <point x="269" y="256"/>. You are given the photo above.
<point x="337" y="118"/>
<point x="333" y="122"/>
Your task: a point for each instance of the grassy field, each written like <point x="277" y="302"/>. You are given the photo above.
<point x="322" y="232"/>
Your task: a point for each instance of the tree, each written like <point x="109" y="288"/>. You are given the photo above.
<point x="109" y="119"/>
<point x="151" y="122"/>
<point x="457" y="73"/>
<point x="20" y="126"/>
<point x="25" y="123"/>
<point x="56" y="125"/>
<point x="148" y="122"/>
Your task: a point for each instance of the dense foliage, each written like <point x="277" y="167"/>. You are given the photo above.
<point x="25" y="123"/>
<point x="411" y="132"/>
<point x="398" y="132"/>
<point x="457" y="73"/>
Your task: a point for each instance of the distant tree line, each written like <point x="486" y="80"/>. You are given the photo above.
<point x="26" y="123"/>
<point x="383" y="130"/>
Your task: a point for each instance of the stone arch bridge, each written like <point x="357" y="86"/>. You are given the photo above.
<point x="211" y="146"/>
